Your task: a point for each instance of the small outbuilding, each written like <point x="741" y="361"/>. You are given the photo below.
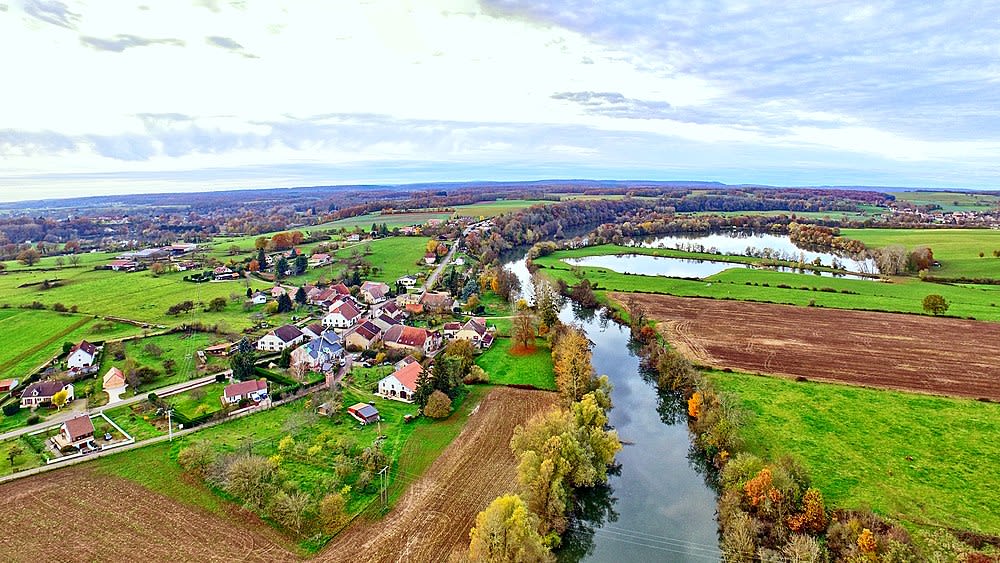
<point x="364" y="413"/>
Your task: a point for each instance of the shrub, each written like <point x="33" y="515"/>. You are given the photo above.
<point x="438" y="405"/>
<point x="11" y="409"/>
<point x="33" y="419"/>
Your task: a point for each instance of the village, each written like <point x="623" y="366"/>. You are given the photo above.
<point x="333" y="329"/>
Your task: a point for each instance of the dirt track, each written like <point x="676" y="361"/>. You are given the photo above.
<point x="76" y="514"/>
<point x="434" y="516"/>
<point x="906" y="352"/>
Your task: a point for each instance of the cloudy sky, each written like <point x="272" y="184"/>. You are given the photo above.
<point x="102" y="97"/>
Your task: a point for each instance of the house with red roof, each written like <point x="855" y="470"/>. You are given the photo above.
<point x="411" y="338"/>
<point x="254" y="391"/>
<point x="75" y="432"/>
<point x="402" y="384"/>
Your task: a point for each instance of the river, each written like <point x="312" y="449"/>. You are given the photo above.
<point x="657" y="505"/>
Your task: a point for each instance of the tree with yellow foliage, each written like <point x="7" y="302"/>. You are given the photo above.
<point x="60" y="398"/>
<point x="571" y="361"/>
<point x="695" y="404"/>
<point x="507" y="532"/>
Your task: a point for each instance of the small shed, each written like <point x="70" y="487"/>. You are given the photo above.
<point x="326" y="409"/>
<point x="364" y="413"/>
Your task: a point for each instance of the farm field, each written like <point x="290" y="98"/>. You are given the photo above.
<point x="391" y="220"/>
<point x="903" y="294"/>
<point x="917" y="458"/>
<point x="32" y="337"/>
<point x="949" y="201"/>
<point x="506" y="368"/>
<point x="957" y="249"/>
<point x="433" y="518"/>
<point x="834" y="215"/>
<point x="904" y="352"/>
<point x="493" y="208"/>
<point x="106" y="513"/>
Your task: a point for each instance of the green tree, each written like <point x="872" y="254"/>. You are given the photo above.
<point x="12" y="453"/>
<point x="243" y="361"/>
<point x="281" y="269"/>
<point x="284" y="303"/>
<point x="935" y="304"/>
<point x="300" y="296"/>
<point x="507" y="532"/>
<point x="301" y="264"/>
<point x="286" y="358"/>
<point x="261" y="256"/>
<point x="332" y="512"/>
<point x="217" y="305"/>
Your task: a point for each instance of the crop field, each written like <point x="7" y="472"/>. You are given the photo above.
<point x="99" y="517"/>
<point x="922" y="459"/>
<point x="494" y="208"/>
<point x="32" y="337"/>
<point x="903" y="295"/>
<point x="957" y="249"/>
<point x="433" y="518"/>
<point x="950" y="201"/>
<point x="530" y="368"/>
<point x="391" y="220"/>
<point x="904" y="352"/>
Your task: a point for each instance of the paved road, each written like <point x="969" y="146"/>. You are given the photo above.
<point x="432" y="279"/>
<point x="63" y="416"/>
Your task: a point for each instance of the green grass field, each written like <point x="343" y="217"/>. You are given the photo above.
<point x="394" y="256"/>
<point x="950" y="201"/>
<point x="903" y="295"/>
<point x="831" y="215"/>
<point x="505" y="368"/>
<point x="957" y="249"/>
<point x="926" y="460"/>
<point x="487" y="209"/>
<point x="391" y="220"/>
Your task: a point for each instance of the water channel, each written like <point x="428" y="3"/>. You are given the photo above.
<point x="657" y="505"/>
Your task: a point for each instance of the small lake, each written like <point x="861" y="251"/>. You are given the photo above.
<point x="748" y="243"/>
<point x="677" y="267"/>
<point x="654" y="265"/>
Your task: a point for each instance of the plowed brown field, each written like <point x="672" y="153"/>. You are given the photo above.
<point x="433" y="518"/>
<point x="76" y="514"/>
<point x="906" y="352"/>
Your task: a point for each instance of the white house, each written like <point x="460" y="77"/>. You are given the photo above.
<point x="254" y="390"/>
<point x="342" y="315"/>
<point x="280" y="338"/>
<point x="407" y="281"/>
<point x="81" y="356"/>
<point x="374" y="292"/>
<point x="259" y="298"/>
<point x="402" y="384"/>
<point x="41" y="393"/>
<point x="319" y="260"/>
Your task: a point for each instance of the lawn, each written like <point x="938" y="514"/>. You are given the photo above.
<point x="27" y="459"/>
<point x="506" y="368"/>
<point x="902" y="295"/>
<point x="136" y="419"/>
<point x="33" y="337"/>
<point x="957" y="249"/>
<point x="198" y="401"/>
<point x="919" y="458"/>
<point x="179" y="348"/>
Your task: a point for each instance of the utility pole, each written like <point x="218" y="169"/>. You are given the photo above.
<point x="384" y="494"/>
<point x="170" y="425"/>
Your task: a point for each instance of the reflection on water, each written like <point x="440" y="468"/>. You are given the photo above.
<point x="654" y="265"/>
<point x="656" y="505"/>
<point x="748" y="243"/>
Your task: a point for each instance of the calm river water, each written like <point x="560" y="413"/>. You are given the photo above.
<point x="657" y="505"/>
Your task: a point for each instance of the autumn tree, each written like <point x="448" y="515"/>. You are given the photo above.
<point x="253" y="266"/>
<point x="29" y="257"/>
<point x="812" y="519"/>
<point x="571" y="359"/>
<point x="522" y="331"/>
<point x="583" y="293"/>
<point x="935" y="304"/>
<point x="60" y="398"/>
<point x="438" y="405"/>
<point x="507" y="532"/>
<point x="545" y="303"/>
<point x="291" y="509"/>
<point x="332" y="511"/>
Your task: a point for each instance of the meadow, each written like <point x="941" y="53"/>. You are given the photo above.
<point x="949" y="201"/>
<point x="394" y="256"/>
<point x="957" y="249"/>
<point x="179" y="348"/>
<point x="391" y="220"/>
<point x="487" y="209"/>
<point x="506" y="368"/>
<point x="902" y="294"/>
<point x="921" y="459"/>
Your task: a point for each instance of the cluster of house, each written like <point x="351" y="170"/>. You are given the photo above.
<point x="81" y="360"/>
<point x="132" y="261"/>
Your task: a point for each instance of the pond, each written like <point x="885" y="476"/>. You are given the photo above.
<point x="676" y="267"/>
<point x="654" y="265"/>
<point x="657" y="505"/>
<point x="748" y="243"/>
